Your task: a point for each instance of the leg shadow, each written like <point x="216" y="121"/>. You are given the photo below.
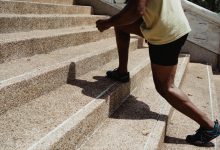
<point x="174" y="140"/>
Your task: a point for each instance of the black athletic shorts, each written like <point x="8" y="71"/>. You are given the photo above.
<point x="166" y="54"/>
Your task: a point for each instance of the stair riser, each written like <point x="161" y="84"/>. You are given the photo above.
<point x="34" y="8"/>
<point x="18" y="24"/>
<point x="18" y="93"/>
<point x="92" y="116"/>
<point x="87" y="65"/>
<point x="68" y="2"/>
<point x="22" y="90"/>
<point x="158" y="134"/>
<point x="26" y="48"/>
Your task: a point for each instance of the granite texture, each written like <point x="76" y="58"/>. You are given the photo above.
<point x="44" y="73"/>
<point x="195" y="84"/>
<point x="217" y="86"/>
<point x="16" y="7"/>
<point x="136" y="123"/>
<point x="68" y="2"/>
<point x="77" y="54"/>
<point x="25" y="44"/>
<point x="59" y="120"/>
<point x="22" y="23"/>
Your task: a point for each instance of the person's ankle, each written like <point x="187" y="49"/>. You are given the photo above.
<point x="122" y="71"/>
<point x="209" y="126"/>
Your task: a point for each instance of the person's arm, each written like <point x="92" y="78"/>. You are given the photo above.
<point x="129" y="14"/>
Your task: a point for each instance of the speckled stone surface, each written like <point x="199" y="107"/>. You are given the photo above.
<point x="69" y="2"/>
<point x="17" y="23"/>
<point x="216" y="81"/>
<point x="124" y="129"/>
<point x="217" y="86"/>
<point x="25" y="44"/>
<point x="25" y="125"/>
<point x="77" y="54"/>
<point x="23" y="80"/>
<point x="16" y="7"/>
<point x="196" y="86"/>
<point x="135" y="124"/>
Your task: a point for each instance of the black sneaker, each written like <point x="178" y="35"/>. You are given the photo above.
<point x="116" y="76"/>
<point x="203" y="136"/>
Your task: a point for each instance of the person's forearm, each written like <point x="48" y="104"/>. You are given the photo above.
<point x="124" y="18"/>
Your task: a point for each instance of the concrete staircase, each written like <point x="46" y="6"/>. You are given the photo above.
<point x="54" y="93"/>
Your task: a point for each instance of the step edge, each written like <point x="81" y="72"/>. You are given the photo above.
<point x="49" y="71"/>
<point x="156" y="137"/>
<point x="44" y="69"/>
<point x="47" y="143"/>
<point x="53" y="4"/>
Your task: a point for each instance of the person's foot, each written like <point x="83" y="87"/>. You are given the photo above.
<point x="204" y="136"/>
<point x="114" y="74"/>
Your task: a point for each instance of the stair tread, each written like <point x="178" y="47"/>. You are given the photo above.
<point x="217" y="83"/>
<point x="31" y="64"/>
<point x="70" y="2"/>
<point x="2" y="15"/>
<point x="28" y="123"/>
<point x="196" y="86"/>
<point x="22" y="68"/>
<point x="130" y="126"/>
<point x="20" y="1"/>
<point x="26" y="7"/>
<point x="19" y="36"/>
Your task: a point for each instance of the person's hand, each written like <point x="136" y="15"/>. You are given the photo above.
<point x="103" y="25"/>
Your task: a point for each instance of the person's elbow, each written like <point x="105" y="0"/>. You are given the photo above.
<point x="140" y="11"/>
<point x="141" y="6"/>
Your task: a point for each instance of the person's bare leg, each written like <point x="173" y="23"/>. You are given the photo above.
<point x="123" y="39"/>
<point x="164" y="82"/>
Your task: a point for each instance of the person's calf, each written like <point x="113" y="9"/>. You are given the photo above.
<point x="176" y="98"/>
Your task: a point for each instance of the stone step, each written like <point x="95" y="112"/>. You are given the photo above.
<point x="217" y="89"/>
<point x="63" y="118"/>
<point x="27" y="7"/>
<point x="198" y="84"/>
<point x="67" y="2"/>
<point x="25" y="44"/>
<point x="138" y="123"/>
<point x="21" y="23"/>
<point x="217" y="86"/>
<point x="24" y="79"/>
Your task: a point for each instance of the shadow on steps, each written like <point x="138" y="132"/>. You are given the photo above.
<point x="100" y="87"/>
<point x="94" y="87"/>
<point x="174" y="140"/>
<point x="134" y="109"/>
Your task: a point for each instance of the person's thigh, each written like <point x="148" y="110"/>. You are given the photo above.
<point x="133" y="28"/>
<point x="166" y="54"/>
<point x="163" y="75"/>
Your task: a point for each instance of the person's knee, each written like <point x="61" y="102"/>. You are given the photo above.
<point x="121" y="31"/>
<point x="164" y="89"/>
<point x="129" y="29"/>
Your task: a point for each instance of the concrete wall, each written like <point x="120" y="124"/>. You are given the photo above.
<point x="100" y="7"/>
<point x="204" y="40"/>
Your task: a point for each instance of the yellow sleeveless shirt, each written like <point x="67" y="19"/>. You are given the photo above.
<point x="164" y="21"/>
